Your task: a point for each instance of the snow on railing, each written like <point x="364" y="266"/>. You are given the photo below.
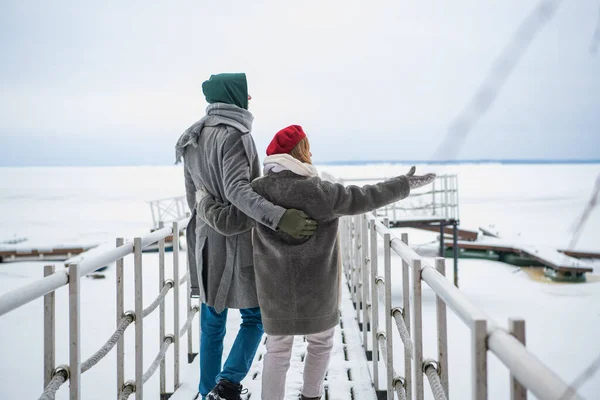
<point x="360" y="238"/>
<point x="55" y="376"/>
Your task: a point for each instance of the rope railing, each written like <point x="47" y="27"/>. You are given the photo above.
<point x="127" y="391"/>
<point x="167" y="286"/>
<point x="403" y="331"/>
<point x="126" y="320"/>
<point x="488" y="335"/>
<point x="184" y="279"/>
<point x="398" y="382"/>
<point x="431" y="369"/>
<point x="189" y="320"/>
<point x="61" y="375"/>
<point x="169" y="339"/>
<point x="71" y="277"/>
<point x="29" y="292"/>
<point x="130" y="386"/>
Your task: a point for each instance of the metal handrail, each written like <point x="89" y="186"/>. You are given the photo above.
<point x="522" y="364"/>
<point x="27" y="293"/>
<point x="71" y="276"/>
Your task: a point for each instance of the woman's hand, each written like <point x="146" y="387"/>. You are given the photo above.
<point x="417" y="181"/>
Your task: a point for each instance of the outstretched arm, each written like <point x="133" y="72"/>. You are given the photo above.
<point x="352" y="200"/>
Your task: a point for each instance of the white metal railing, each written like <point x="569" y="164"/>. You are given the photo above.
<point x="168" y="210"/>
<point x="55" y="376"/>
<point x="360" y="238"/>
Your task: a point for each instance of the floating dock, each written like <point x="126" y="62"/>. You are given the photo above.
<point x="558" y="266"/>
<point x="58" y="253"/>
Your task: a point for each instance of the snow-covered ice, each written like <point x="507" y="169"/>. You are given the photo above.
<point x="536" y="204"/>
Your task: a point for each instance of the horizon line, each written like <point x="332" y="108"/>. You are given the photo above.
<point x="346" y="162"/>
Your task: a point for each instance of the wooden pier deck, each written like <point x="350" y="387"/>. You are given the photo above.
<point x="348" y="367"/>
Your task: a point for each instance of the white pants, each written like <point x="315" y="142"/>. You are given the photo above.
<point x="277" y="363"/>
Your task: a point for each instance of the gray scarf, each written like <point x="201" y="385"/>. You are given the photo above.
<point x="216" y="114"/>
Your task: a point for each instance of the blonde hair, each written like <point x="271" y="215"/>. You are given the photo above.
<point x="302" y="151"/>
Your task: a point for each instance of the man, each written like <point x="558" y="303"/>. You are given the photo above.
<point x="220" y="159"/>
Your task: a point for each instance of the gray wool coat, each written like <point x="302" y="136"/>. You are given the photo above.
<point x="298" y="279"/>
<point x="220" y="155"/>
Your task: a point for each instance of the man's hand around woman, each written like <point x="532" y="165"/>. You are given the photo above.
<point x="297" y="224"/>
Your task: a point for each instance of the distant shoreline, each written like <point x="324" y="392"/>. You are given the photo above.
<point x="351" y="163"/>
<point x="458" y="162"/>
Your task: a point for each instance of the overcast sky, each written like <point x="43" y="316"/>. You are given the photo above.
<point x="116" y="82"/>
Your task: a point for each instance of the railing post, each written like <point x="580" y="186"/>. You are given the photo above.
<point x="49" y="330"/>
<point x="406" y="317"/>
<point x="365" y="279"/>
<point x="442" y="331"/>
<point x="374" y="306"/>
<point x="357" y="266"/>
<point x="455" y="252"/>
<point x="161" y="308"/>
<point x="446" y="214"/>
<point x="348" y="255"/>
<point x="74" y="333"/>
<point x="479" y="354"/>
<point x="418" y="330"/>
<point x="175" y="305"/>
<point x="351" y="257"/>
<point x="387" y="263"/>
<point x="433" y="192"/>
<point x="189" y="306"/>
<point x="139" y="319"/>
<point x="120" y="312"/>
<point x="517" y="329"/>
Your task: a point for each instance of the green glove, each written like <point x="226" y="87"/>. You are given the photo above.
<point x="297" y="224"/>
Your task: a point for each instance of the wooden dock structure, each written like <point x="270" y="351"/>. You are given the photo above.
<point x="58" y="253"/>
<point x="558" y="266"/>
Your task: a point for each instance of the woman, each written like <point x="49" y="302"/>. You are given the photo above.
<point x="298" y="280"/>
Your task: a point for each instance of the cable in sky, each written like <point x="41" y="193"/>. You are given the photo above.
<point x="487" y="93"/>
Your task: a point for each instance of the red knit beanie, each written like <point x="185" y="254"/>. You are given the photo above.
<point x="285" y="140"/>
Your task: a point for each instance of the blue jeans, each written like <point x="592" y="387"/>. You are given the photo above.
<point x="212" y="333"/>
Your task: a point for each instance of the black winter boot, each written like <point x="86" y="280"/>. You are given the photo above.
<point x="303" y="397"/>
<point x="226" y="390"/>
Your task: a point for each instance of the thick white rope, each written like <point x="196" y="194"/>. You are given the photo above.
<point x="166" y="287"/>
<point x="184" y="279"/>
<point x="50" y="390"/>
<point x="127" y="391"/>
<point x="397" y="381"/>
<point x="110" y="343"/>
<point x="434" y="380"/>
<point x="163" y="350"/>
<point x="188" y="322"/>
<point x="61" y="377"/>
<point x="403" y="331"/>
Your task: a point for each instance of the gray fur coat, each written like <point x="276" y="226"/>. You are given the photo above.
<point x="298" y="280"/>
